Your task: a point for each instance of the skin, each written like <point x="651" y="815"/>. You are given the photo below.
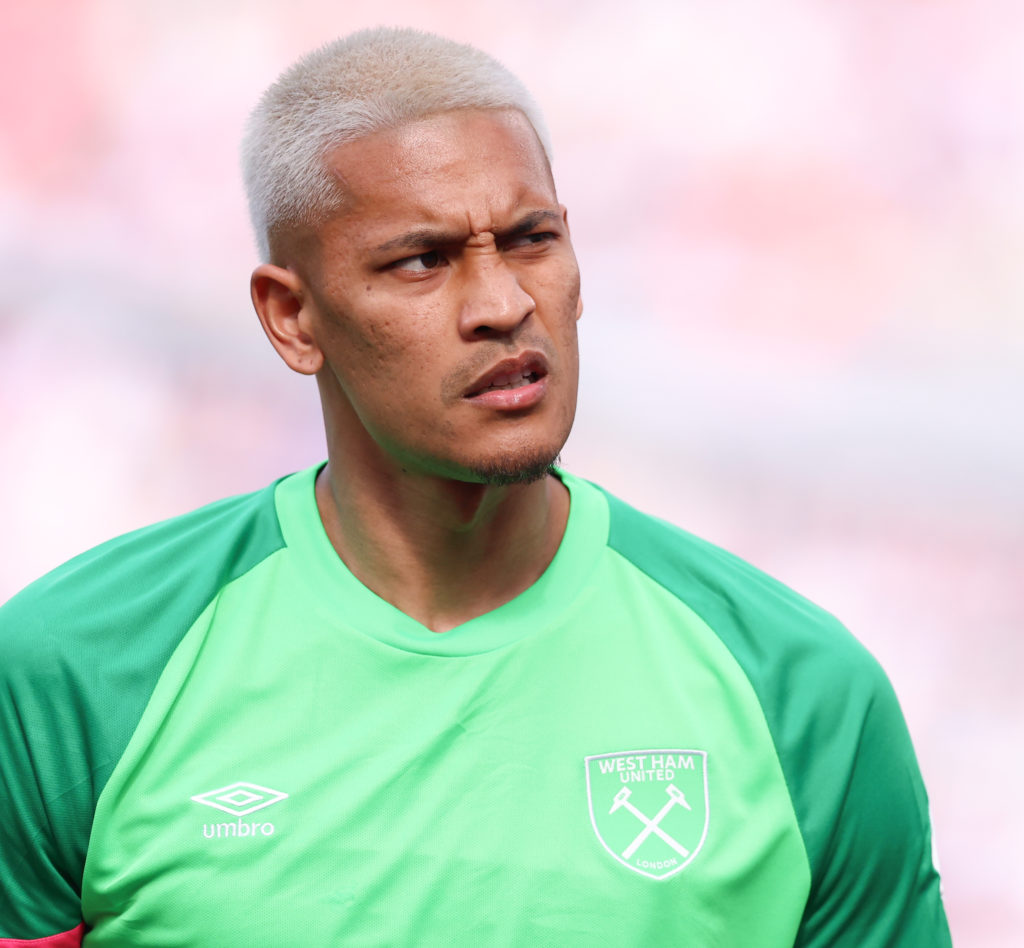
<point x="450" y="259"/>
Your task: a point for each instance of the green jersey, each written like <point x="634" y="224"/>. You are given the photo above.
<point x="212" y="734"/>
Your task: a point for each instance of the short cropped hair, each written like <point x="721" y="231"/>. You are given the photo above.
<point x="350" y="88"/>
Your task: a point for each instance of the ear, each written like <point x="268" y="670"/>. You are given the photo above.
<point x="281" y="302"/>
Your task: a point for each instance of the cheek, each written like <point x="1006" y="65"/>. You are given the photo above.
<point x="404" y="345"/>
<point x="560" y="287"/>
<point x="385" y="356"/>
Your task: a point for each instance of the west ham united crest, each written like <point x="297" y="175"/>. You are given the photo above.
<point x="649" y="808"/>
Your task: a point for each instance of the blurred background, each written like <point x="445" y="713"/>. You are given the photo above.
<point x="801" y="230"/>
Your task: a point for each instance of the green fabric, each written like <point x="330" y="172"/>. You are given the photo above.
<point x="840" y="735"/>
<point x="653" y="745"/>
<point x="80" y="652"/>
<point x="437" y="785"/>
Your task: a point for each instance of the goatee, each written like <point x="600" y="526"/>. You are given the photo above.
<point x="517" y="470"/>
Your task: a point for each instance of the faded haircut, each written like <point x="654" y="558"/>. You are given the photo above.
<point x="352" y="87"/>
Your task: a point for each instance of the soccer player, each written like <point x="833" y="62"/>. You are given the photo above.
<point x="438" y="691"/>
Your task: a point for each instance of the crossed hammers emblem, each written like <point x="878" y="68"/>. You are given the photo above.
<point x="675" y="795"/>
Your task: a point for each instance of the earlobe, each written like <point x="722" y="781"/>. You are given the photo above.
<point x="279" y="299"/>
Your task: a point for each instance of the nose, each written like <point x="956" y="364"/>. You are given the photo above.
<point x="493" y="302"/>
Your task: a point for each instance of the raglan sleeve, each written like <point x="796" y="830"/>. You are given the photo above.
<point x="874" y="881"/>
<point x="41" y="848"/>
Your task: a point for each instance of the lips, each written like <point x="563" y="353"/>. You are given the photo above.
<point x="513" y="385"/>
<point x="510" y="374"/>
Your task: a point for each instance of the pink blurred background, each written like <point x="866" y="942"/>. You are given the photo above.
<point x="801" y="228"/>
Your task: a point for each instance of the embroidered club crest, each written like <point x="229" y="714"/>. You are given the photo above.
<point x="649" y="808"/>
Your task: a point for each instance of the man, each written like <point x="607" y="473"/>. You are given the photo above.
<point x="438" y="692"/>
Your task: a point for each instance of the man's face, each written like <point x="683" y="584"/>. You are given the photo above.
<point x="444" y="300"/>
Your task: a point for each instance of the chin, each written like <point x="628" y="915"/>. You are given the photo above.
<point x="514" y="469"/>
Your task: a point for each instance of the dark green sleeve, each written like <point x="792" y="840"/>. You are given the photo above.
<point x="42" y="839"/>
<point x="874" y="882"/>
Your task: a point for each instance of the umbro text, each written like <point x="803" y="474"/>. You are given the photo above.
<point x="239" y="828"/>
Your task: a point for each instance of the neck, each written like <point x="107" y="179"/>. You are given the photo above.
<point x="442" y="551"/>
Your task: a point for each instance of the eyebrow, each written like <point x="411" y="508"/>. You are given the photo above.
<point x="429" y="237"/>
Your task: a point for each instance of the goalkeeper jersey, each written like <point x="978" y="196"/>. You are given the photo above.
<point x="212" y="734"/>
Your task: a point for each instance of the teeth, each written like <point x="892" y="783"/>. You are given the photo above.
<point x="511" y="380"/>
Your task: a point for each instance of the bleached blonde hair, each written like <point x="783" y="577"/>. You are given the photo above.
<point x="352" y="87"/>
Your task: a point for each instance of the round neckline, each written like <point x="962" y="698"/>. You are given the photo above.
<point x="339" y="597"/>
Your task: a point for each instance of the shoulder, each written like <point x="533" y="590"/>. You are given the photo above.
<point x="121" y="582"/>
<point x="89" y="639"/>
<point x="760" y="619"/>
<point x="813" y="679"/>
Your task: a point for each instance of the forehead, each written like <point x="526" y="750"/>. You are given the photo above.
<point x="470" y="167"/>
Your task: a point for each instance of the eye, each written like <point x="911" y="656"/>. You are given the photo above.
<point x="531" y="241"/>
<point x="421" y="263"/>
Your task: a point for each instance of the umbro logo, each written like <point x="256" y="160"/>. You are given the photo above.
<point x="240" y="799"/>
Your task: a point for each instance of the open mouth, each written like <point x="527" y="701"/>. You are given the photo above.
<point x="508" y="380"/>
<point x="509" y="375"/>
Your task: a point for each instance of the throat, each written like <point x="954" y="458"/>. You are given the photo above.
<point x="444" y="560"/>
